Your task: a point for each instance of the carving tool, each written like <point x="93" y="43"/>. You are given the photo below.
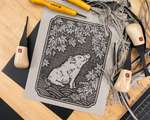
<point x="136" y="34"/>
<point x="138" y="38"/>
<point x="82" y="4"/>
<point x="122" y="84"/>
<point x="21" y="57"/>
<point x="57" y="7"/>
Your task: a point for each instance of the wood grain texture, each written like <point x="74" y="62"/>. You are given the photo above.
<point x="12" y="19"/>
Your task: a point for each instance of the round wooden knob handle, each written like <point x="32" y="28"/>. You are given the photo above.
<point x="135" y="32"/>
<point x="21" y="58"/>
<point x="123" y="82"/>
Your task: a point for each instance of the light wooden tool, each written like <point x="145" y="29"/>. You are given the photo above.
<point x="21" y="57"/>
<point x="124" y="80"/>
<point x="135" y="32"/>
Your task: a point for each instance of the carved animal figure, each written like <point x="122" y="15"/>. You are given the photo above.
<point x="67" y="72"/>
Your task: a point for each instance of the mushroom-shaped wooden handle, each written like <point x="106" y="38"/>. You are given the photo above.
<point x="123" y="82"/>
<point x="135" y="32"/>
<point x="21" y="58"/>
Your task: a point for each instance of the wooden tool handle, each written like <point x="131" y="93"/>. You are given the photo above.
<point x="135" y="32"/>
<point x="123" y="82"/>
<point x="21" y="58"/>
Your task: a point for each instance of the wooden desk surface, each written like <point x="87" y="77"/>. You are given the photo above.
<point x="12" y="18"/>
